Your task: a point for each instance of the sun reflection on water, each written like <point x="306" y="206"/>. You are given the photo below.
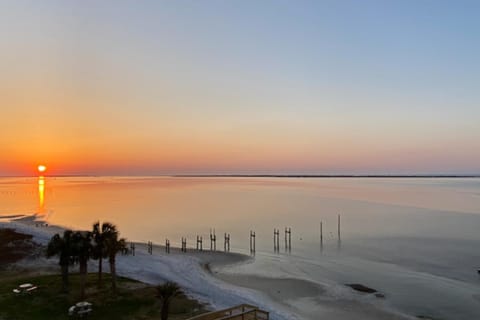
<point x="41" y="195"/>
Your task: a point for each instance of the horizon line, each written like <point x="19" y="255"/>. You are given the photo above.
<point x="234" y="175"/>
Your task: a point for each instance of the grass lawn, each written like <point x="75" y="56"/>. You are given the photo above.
<point x="134" y="300"/>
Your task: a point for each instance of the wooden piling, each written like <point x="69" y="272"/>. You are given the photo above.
<point x="321" y="232"/>
<point x="276" y="240"/>
<point x="213" y="240"/>
<point x="288" y="239"/>
<point x="199" y="243"/>
<point x="226" y="242"/>
<point x="150" y="247"/>
<point x="321" y="236"/>
<point x="339" y="240"/>
<point x="184" y="244"/>
<point x="339" y="227"/>
<point x="252" y="241"/>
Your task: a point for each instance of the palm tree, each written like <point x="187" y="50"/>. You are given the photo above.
<point x="165" y="293"/>
<point x="62" y="246"/>
<point x="113" y="245"/>
<point x="82" y="250"/>
<point x="100" y="234"/>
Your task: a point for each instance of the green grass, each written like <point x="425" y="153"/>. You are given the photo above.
<point x="134" y="300"/>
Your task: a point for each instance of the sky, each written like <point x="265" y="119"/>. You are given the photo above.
<point x="245" y="87"/>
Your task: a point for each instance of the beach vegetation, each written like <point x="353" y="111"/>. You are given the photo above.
<point x="82" y="251"/>
<point x="113" y="245"/>
<point x="100" y="233"/>
<point x="62" y="246"/>
<point x="165" y="293"/>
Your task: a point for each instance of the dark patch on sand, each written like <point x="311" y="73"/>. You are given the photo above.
<point x="15" y="246"/>
<point x="364" y="289"/>
<point x="427" y="317"/>
<point x="361" y="288"/>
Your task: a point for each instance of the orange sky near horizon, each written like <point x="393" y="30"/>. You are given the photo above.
<point x="207" y="152"/>
<point x="98" y="135"/>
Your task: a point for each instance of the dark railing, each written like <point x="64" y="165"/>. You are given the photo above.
<point x="240" y="312"/>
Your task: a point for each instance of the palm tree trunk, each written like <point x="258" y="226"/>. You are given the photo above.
<point x="164" y="312"/>
<point x="113" y="273"/>
<point x="100" y="272"/>
<point x="83" y="278"/>
<point x="64" y="277"/>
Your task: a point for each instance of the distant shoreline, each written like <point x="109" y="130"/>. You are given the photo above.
<point x="427" y="176"/>
<point x="317" y="176"/>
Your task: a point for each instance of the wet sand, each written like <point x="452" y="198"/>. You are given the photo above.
<point x="308" y="300"/>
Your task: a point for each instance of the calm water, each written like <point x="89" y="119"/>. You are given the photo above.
<point x="416" y="240"/>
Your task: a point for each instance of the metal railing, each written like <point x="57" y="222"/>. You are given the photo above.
<point x="240" y="312"/>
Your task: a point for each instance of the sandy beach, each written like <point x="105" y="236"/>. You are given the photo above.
<point x="205" y="277"/>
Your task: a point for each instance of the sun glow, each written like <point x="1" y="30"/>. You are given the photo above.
<point x="42" y="168"/>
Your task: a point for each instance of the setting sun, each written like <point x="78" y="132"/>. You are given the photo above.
<point x="42" y="168"/>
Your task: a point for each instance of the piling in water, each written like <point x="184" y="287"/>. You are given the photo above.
<point x="226" y="243"/>
<point x="213" y="240"/>
<point x="252" y="242"/>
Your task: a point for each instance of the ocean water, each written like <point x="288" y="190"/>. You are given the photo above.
<point x="415" y="240"/>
